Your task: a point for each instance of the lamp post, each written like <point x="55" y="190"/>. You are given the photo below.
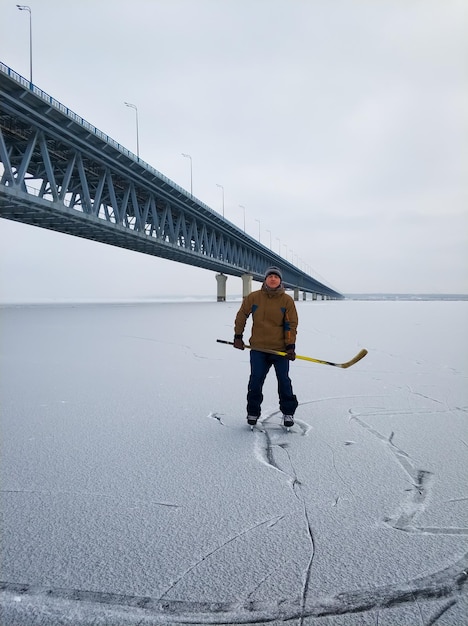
<point x="187" y="156"/>
<point x="258" y="229"/>
<point x="243" y="207"/>
<point x="279" y="245"/>
<point x="133" y="106"/>
<point x="269" y="231"/>
<point x="24" y="7"/>
<point x="222" y="189"/>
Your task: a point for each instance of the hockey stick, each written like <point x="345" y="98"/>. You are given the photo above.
<point x="360" y="355"/>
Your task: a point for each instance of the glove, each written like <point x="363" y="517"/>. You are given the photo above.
<point x="291" y="352"/>
<point x="238" y="342"/>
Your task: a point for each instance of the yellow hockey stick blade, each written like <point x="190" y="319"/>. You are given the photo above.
<point x="360" y="355"/>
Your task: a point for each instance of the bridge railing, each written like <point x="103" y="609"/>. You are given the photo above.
<point x="95" y="131"/>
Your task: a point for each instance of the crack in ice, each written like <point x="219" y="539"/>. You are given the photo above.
<point x="421" y="487"/>
<point x="215" y="550"/>
<point x="448" y="583"/>
<point x="91" y="494"/>
<point x="265" y="453"/>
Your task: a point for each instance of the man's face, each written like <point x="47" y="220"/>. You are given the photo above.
<point x="273" y="281"/>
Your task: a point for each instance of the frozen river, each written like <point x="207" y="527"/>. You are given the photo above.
<point x="133" y="491"/>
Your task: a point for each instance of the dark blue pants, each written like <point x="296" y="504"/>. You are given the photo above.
<point x="260" y="364"/>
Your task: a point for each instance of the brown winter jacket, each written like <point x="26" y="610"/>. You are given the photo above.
<point x="274" y="318"/>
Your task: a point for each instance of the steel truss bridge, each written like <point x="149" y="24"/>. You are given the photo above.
<point x="61" y="173"/>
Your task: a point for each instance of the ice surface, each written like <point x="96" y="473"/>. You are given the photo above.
<point x="135" y="493"/>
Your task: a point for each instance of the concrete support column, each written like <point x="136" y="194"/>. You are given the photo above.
<point x="246" y="284"/>
<point x="296" y="294"/>
<point x="304" y="295"/>
<point x="221" y="279"/>
<point x="314" y="296"/>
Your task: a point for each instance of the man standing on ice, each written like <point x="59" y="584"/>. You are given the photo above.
<point x="274" y="326"/>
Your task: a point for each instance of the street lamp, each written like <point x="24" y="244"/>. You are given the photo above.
<point x="24" y="7"/>
<point x="132" y="106"/>
<point x="258" y="229"/>
<point x="269" y="231"/>
<point x="243" y="207"/>
<point x="279" y="245"/>
<point x="222" y="189"/>
<point x="187" y="156"/>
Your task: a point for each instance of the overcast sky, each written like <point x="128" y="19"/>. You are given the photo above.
<point x="340" y="126"/>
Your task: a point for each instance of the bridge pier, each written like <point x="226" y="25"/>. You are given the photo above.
<point x="221" y="279"/>
<point x="314" y="296"/>
<point x="296" y="294"/>
<point x="246" y="284"/>
<point x="304" y="295"/>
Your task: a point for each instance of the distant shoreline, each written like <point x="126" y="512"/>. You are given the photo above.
<point x="406" y="296"/>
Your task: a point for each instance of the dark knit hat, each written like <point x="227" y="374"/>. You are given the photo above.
<point x="274" y="270"/>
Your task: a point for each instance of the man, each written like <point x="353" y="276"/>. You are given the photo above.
<point x="274" y="324"/>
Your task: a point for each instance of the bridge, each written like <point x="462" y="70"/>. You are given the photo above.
<point x="61" y="173"/>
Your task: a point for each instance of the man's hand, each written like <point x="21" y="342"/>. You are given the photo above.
<point x="238" y="342"/>
<point x="291" y="352"/>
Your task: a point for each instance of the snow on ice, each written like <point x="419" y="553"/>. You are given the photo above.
<point x="135" y="493"/>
